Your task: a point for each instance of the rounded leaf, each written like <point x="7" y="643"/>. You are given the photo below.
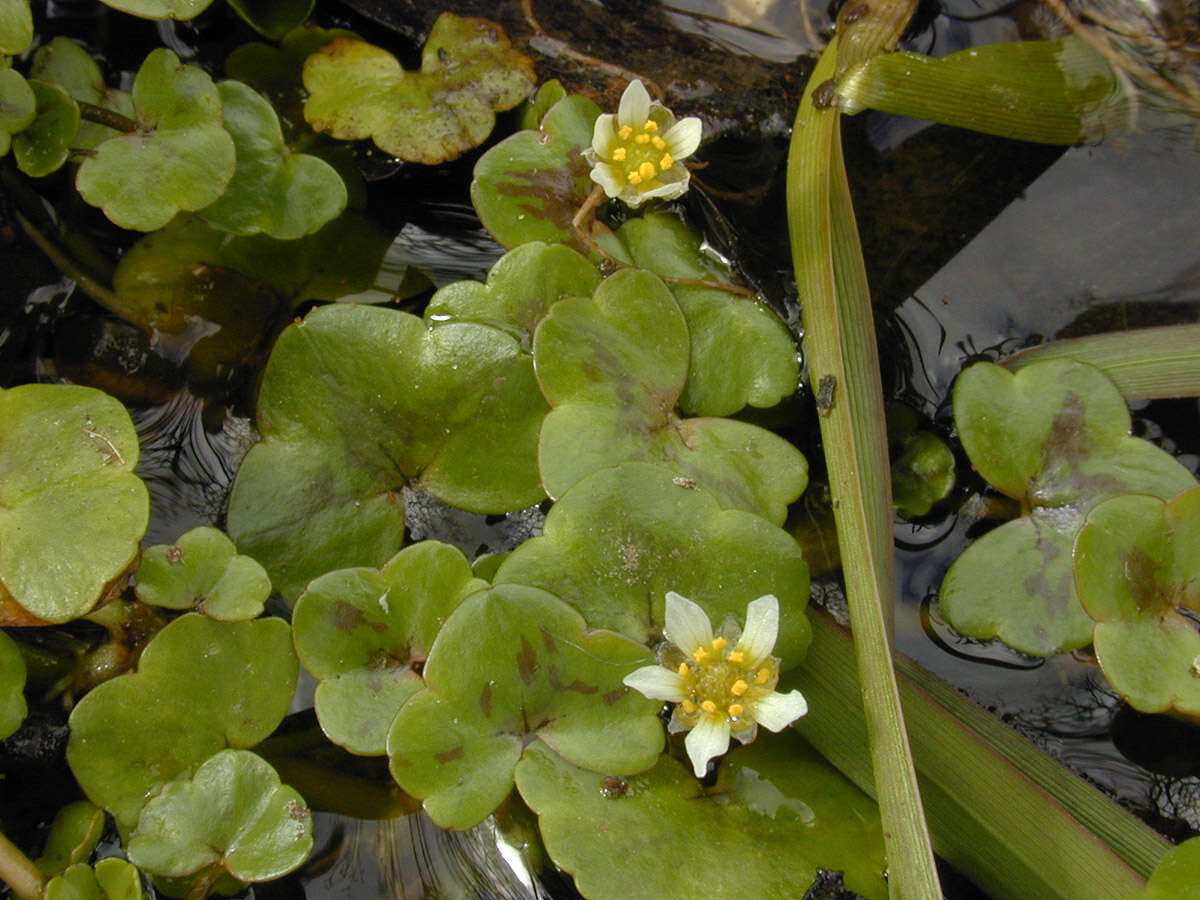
<point x="44" y="145"/>
<point x="68" y="65"/>
<point x="12" y="686"/>
<point x="18" y="106"/>
<point x="202" y="570"/>
<point x="16" y="26"/>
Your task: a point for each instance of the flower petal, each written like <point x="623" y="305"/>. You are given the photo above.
<point x="762" y="628"/>
<point x="683" y="137"/>
<point x="671" y="189"/>
<point x="709" y="738"/>
<point x="777" y="711"/>
<point x="687" y="624"/>
<point x="656" y="683"/>
<point x="602" y="174"/>
<point x="604" y="135"/>
<point x="635" y="105"/>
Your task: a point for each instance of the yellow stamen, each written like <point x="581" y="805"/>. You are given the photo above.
<point x="736" y="656"/>
<point x="683" y="668"/>
<point x="739" y="688"/>
<point x="688" y="707"/>
<point x="666" y="162"/>
<point x="719" y="643"/>
<point x="736" y="709"/>
<point x="624" y="132"/>
<point x="634" y="178"/>
<point x="642" y="139"/>
<point x="647" y="170"/>
<point x="618" y="154"/>
<point x="699" y="654"/>
<point x="762" y="677"/>
<point x="708" y="706"/>
<point x="659" y="143"/>
<point x="651" y="125"/>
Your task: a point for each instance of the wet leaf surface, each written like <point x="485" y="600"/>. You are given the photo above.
<point x="202" y="570"/>
<point x="539" y="677"/>
<point x="364" y="634"/>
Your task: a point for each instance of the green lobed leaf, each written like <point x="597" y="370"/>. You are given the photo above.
<point x="622" y="537"/>
<point x="16" y="26"/>
<point x="74" y="834"/>
<point x="357" y="402"/>
<point x="1137" y="568"/>
<point x="741" y="352"/>
<point x="180" y="158"/>
<point x="235" y="679"/>
<point x="202" y="570"/>
<point x="777" y="812"/>
<point x="232" y="814"/>
<point x="71" y="67"/>
<point x="12" y="686"/>
<point x="278" y="192"/>
<point x="43" y="146"/>
<point x="18" y="106"/>
<point x="613" y="367"/>
<point x="273" y="19"/>
<point x="531" y="184"/>
<point x="1056" y="436"/>
<point x="514" y="667"/>
<point x="468" y="72"/>
<point x="72" y="511"/>
<point x="365" y="633"/>
<point x="530" y="115"/>
<point x="111" y="879"/>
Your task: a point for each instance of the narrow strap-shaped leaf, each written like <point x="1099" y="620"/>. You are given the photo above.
<point x="1051" y="92"/>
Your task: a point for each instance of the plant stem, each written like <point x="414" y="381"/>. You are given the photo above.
<point x="19" y="873"/>
<point x="108" y="117"/>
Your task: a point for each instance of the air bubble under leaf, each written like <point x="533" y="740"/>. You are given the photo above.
<point x="72" y="511"/>
<point x="621" y="538"/>
<point x="1055" y="436"/>
<point x="202" y="570"/>
<point x="180" y="157"/>
<point x="514" y="667"/>
<point x="12" y="686"/>
<point x="360" y="633"/>
<point x="774" y="800"/>
<point x="231" y="816"/>
<point x="234" y="679"/>
<point x="357" y="402"/>
<point x="274" y="190"/>
<point x="469" y="71"/>
<point x="613" y="367"/>
<point x="1137" y="568"/>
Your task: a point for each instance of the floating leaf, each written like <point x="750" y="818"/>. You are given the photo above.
<point x="521" y="287"/>
<point x="45" y="144"/>
<point x="18" y="106"/>
<point x="284" y="194"/>
<point x="273" y="18"/>
<point x="1137" y="568"/>
<point x="74" y="834"/>
<point x="1055" y="436"/>
<point x="741" y="352"/>
<point x="202" y="570"/>
<point x="923" y="466"/>
<point x="16" y="26"/>
<point x="469" y="71"/>
<point x="180" y="158"/>
<point x="234" y="679"/>
<point x="613" y="367"/>
<point x="161" y="9"/>
<point x="232" y="814"/>
<point x="530" y="115"/>
<point x="1177" y="876"/>
<point x="511" y="668"/>
<point x="361" y="632"/>
<point x="111" y="879"/>
<point x="358" y="401"/>
<point x="12" y="686"/>
<point x="621" y="538"/>
<point x="777" y="813"/>
<point x="530" y="185"/>
<point x="71" y="67"/>
<point x="72" y="511"/>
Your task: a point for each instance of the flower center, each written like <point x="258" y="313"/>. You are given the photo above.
<point x="718" y="682"/>
<point x="640" y="154"/>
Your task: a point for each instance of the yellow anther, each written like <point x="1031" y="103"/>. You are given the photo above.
<point x="624" y="132"/>
<point x="642" y="139"/>
<point x="699" y="654"/>
<point x="666" y="162"/>
<point x="650" y="125"/>
<point x="647" y="170"/>
<point x="659" y="143"/>
<point x="618" y="154"/>
<point x="762" y="677"/>
<point x="688" y="707"/>
<point x="634" y="178"/>
<point x="739" y="688"/>
<point x="719" y="643"/>
<point x="708" y="706"/>
<point x="736" y="709"/>
<point x="736" y="656"/>
<point x="683" y="668"/>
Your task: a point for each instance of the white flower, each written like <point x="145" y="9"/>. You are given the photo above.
<point x="725" y="685"/>
<point x="637" y="154"/>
